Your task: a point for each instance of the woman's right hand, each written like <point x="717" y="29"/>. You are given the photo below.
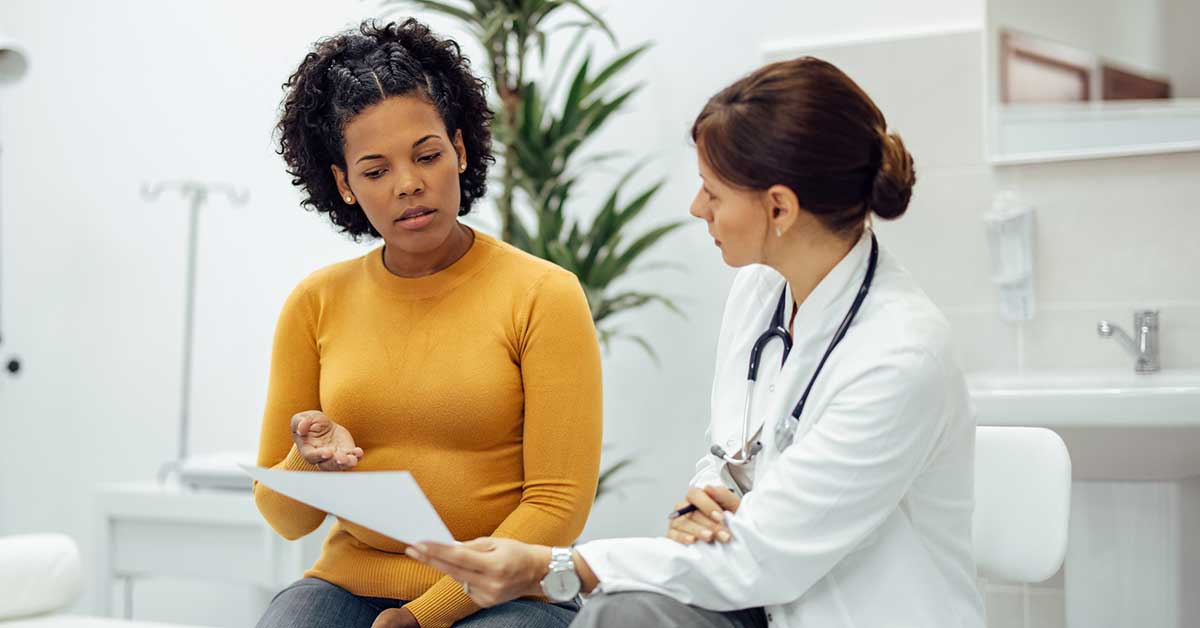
<point x="324" y="443"/>
<point x="707" y="522"/>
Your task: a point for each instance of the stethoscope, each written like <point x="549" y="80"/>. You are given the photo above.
<point x="785" y="428"/>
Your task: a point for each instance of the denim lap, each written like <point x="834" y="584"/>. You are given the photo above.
<point x="521" y="614"/>
<point x="316" y="603"/>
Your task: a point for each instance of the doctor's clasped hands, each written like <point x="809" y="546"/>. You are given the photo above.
<point x="707" y="522"/>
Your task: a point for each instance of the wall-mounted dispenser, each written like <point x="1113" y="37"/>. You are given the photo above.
<point x="1009" y="226"/>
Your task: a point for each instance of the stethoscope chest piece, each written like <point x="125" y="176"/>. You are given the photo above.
<point x="785" y="432"/>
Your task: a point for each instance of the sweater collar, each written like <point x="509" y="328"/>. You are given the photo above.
<point x="440" y="282"/>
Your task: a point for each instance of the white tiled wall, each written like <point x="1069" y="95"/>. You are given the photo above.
<point x="1024" y="606"/>
<point x="1112" y="236"/>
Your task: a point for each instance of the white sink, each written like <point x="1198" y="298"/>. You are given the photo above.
<point x="1081" y="398"/>
<point x="1117" y="424"/>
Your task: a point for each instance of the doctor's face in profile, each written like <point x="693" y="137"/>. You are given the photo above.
<point x="738" y="219"/>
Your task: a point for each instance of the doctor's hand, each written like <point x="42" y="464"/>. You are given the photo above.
<point x="707" y="522"/>
<point x="324" y="443"/>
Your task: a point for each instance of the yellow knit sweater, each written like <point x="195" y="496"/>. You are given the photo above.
<point x="483" y="380"/>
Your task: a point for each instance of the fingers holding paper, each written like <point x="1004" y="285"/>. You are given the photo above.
<point x="492" y="570"/>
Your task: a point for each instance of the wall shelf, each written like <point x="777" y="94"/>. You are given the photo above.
<point x="1024" y="134"/>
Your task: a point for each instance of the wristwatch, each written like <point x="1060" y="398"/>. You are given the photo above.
<point x="561" y="583"/>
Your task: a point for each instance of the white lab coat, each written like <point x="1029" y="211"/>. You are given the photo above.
<point x="865" y="521"/>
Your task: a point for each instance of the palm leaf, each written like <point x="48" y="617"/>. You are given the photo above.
<point x="629" y="300"/>
<point x="607" y="475"/>
<point x="645" y="345"/>
<point x="611" y="70"/>
<point x="565" y="62"/>
<point x="469" y="17"/>
<point x="615" y="264"/>
<point x="596" y="19"/>
<point x="571" y="106"/>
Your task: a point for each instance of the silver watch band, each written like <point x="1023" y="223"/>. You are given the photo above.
<point x="560" y="558"/>
<point x="561" y="583"/>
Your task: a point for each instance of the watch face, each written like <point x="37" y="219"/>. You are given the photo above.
<point x="561" y="586"/>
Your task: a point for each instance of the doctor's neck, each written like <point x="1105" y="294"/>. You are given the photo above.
<point x="805" y="256"/>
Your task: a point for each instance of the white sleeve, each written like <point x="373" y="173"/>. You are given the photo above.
<point x="708" y="473"/>
<point x="712" y="471"/>
<point x="826" y="494"/>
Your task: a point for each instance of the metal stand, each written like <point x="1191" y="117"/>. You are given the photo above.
<point x="13" y="65"/>
<point x="11" y="364"/>
<point x="197" y="194"/>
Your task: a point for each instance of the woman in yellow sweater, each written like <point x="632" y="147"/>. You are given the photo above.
<point x="444" y="352"/>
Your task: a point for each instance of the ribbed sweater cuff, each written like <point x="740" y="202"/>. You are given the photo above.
<point x="442" y="605"/>
<point x="295" y="462"/>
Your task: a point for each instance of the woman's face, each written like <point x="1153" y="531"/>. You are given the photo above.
<point x="737" y="219"/>
<point x="403" y="169"/>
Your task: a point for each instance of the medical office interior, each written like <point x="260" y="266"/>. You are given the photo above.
<point x="149" y="236"/>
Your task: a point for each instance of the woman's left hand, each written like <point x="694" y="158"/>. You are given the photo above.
<point x="396" y="618"/>
<point x="493" y="570"/>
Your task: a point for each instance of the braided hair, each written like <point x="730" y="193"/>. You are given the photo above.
<point x="351" y="71"/>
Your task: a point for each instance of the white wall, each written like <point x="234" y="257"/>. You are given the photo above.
<point x="1127" y="32"/>
<point x="1181" y="47"/>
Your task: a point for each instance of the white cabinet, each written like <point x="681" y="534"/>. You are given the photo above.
<point x="150" y="530"/>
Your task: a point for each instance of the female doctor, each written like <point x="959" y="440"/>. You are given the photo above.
<point x="838" y="488"/>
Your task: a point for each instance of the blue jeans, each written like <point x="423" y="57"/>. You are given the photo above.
<point x="315" y="603"/>
<point x="638" y="609"/>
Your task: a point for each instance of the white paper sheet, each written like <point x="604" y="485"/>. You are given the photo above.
<point x="388" y="502"/>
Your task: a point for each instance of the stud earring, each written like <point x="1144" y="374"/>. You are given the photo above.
<point x="778" y="232"/>
<point x="462" y="167"/>
<point x="349" y="199"/>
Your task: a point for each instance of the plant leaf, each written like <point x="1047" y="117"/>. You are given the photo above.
<point x="469" y="17"/>
<point x="610" y="70"/>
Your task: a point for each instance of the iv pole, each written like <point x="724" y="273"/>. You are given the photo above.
<point x="13" y="65"/>
<point x="197" y="194"/>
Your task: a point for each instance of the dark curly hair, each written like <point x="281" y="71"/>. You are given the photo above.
<point x="349" y="72"/>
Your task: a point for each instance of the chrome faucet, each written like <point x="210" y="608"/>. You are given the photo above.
<point x="1143" y="345"/>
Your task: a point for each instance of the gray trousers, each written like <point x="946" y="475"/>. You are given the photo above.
<point x="315" y="603"/>
<point x="652" y="610"/>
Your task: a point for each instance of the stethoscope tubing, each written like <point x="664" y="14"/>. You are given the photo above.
<point x="747" y="450"/>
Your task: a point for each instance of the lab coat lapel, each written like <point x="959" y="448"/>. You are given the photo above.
<point x="817" y="318"/>
<point x="729" y="400"/>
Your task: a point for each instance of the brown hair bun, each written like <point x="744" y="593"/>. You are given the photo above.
<point x="893" y="185"/>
